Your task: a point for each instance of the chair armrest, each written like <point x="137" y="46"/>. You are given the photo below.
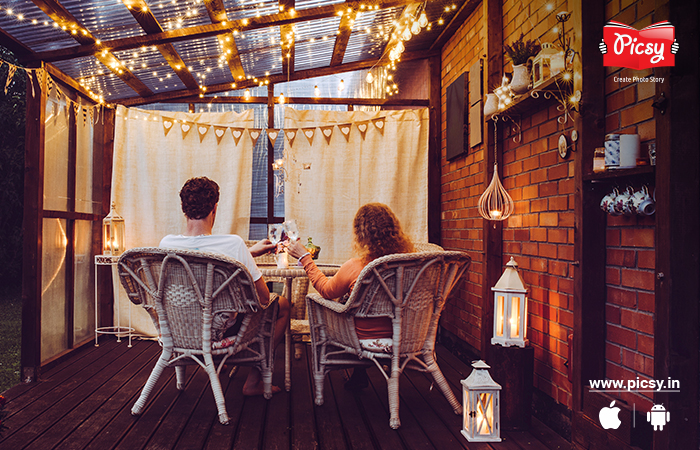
<point x="329" y="304"/>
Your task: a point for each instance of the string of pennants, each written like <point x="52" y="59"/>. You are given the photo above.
<point x="272" y="133"/>
<point x="89" y="113"/>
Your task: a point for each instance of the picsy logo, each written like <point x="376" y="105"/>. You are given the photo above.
<point x="624" y="46"/>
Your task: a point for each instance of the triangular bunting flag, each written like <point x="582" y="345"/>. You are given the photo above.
<point x="202" y="130"/>
<point x="254" y="135"/>
<point x="362" y="126"/>
<point x="219" y="132"/>
<point x="345" y="129"/>
<point x="379" y="123"/>
<point x="186" y="127"/>
<point x="327" y="133"/>
<point x="10" y="74"/>
<point x="291" y="135"/>
<point x="309" y="133"/>
<point x="272" y="134"/>
<point x="236" y="133"/>
<point x="168" y="124"/>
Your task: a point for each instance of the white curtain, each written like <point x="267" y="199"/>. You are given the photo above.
<point x="155" y="153"/>
<point x="383" y="157"/>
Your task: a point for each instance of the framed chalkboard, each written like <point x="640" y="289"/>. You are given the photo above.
<point x="457" y="122"/>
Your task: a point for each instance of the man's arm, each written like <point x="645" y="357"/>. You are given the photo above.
<point x="261" y="247"/>
<point x="263" y="292"/>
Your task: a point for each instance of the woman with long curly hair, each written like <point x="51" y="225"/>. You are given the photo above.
<point x="377" y="232"/>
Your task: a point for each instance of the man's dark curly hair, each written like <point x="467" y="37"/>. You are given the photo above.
<point x="198" y="197"/>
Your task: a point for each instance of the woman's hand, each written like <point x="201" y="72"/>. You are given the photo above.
<point x="296" y="249"/>
<point x="261" y="247"/>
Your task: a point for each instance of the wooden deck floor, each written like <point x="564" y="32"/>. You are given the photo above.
<point x="84" y="403"/>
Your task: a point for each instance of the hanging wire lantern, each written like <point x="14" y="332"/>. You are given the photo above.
<point x="495" y="203"/>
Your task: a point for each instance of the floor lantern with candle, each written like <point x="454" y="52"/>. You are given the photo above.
<point x="510" y="308"/>
<point x="481" y="403"/>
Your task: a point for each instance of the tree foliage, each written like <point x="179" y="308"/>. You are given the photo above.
<point x="12" y="120"/>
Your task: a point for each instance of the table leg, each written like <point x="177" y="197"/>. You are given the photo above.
<point x="288" y="340"/>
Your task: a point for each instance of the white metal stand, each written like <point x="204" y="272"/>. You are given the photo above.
<point x="118" y="330"/>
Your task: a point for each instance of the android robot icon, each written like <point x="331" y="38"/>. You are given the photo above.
<point x="658" y="417"/>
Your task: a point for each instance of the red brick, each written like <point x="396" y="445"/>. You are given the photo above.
<point x="640" y="112"/>
<point x="637" y="237"/>
<point x="538" y="234"/>
<point x="565" y="252"/>
<point x="612" y="314"/>
<point x="622" y="336"/>
<point x="539" y="265"/>
<point x="637" y="321"/>
<point x="645" y="344"/>
<point x="612" y="237"/>
<point x="619" y="257"/>
<point x="539" y="205"/>
<point x="566" y="318"/>
<point x="557" y="267"/>
<point x="549" y="219"/>
<point x="622" y="98"/>
<point x="646" y="259"/>
<point x="621" y="297"/>
<point x="646" y="301"/>
<point x="637" y="279"/>
<point x="558" y="203"/>
<point x="612" y="276"/>
<point x="566" y="219"/>
<point x="557" y="235"/>
<point x="613" y="353"/>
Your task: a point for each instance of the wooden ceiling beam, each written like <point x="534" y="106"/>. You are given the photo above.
<point x="203" y="31"/>
<point x="21" y="51"/>
<point x="143" y="15"/>
<point x="227" y="41"/>
<point x="77" y="31"/>
<point x="304" y="101"/>
<point x="287" y="39"/>
<point x="343" y="35"/>
<point x="299" y="75"/>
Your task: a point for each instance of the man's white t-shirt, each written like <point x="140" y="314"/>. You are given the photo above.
<point x="229" y="245"/>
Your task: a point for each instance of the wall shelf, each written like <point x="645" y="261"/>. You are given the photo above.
<point x="616" y="174"/>
<point x="524" y="102"/>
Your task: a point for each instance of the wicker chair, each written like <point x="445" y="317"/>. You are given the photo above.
<point x="409" y="288"/>
<point x="427" y="247"/>
<point x="194" y="296"/>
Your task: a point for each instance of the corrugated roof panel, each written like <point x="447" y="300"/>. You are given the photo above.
<point x="260" y="51"/>
<point x="237" y="9"/>
<point x="174" y="15"/>
<point x="88" y="70"/>
<point x="315" y="41"/>
<point x="151" y="68"/>
<point x="105" y="19"/>
<point x="369" y="33"/>
<point x="30" y="26"/>
<point x="204" y="58"/>
<point x="308" y="4"/>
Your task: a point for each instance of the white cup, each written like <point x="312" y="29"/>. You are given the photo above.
<point x="607" y="204"/>
<point x="642" y="203"/>
<point x="629" y="150"/>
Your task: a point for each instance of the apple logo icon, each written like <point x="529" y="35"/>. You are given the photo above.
<point x="608" y="417"/>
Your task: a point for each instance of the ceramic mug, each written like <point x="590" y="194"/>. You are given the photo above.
<point x="623" y="202"/>
<point x="607" y="204"/>
<point x="643" y="203"/>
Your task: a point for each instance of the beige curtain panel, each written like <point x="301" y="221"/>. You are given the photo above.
<point x="155" y="153"/>
<point x="347" y="159"/>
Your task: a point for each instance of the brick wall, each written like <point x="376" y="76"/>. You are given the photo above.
<point x="630" y="240"/>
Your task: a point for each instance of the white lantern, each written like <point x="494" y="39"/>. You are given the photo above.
<point x="113" y="241"/>
<point x="510" y="308"/>
<point x="481" y="401"/>
<point x="548" y="62"/>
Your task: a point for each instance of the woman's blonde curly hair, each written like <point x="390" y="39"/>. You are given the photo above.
<point x="378" y="233"/>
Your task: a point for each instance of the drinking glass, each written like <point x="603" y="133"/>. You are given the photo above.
<point x="274" y="232"/>
<point x="290" y="226"/>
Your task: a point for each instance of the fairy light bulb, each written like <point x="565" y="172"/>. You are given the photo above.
<point x="406" y="34"/>
<point x="247" y="94"/>
<point x="423" y="20"/>
<point x="341" y="86"/>
<point x="400" y="48"/>
<point x="281" y="99"/>
<point x="415" y="28"/>
<point x="317" y="91"/>
<point x="369" y="78"/>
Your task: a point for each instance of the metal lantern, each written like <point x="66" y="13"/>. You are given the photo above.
<point x="481" y="400"/>
<point x="548" y="62"/>
<point x="510" y="308"/>
<point x="113" y="241"/>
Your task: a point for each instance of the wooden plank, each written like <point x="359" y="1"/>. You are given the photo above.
<point x="352" y="414"/>
<point x="342" y="37"/>
<point x="276" y="428"/>
<point x="32" y="226"/>
<point x="40" y="413"/>
<point x="217" y="14"/>
<point x="304" y="101"/>
<point x="548" y="436"/>
<point x="298" y="75"/>
<point x="222" y="436"/>
<point x="21" y="51"/>
<point x="84" y="402"/>
<point x="82" y="35"/>
<point x="327" y="418"/>
<point x="676" y="240"/>
<point x="302" y="422"/>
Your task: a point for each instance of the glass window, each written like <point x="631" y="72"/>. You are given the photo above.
<point x="53" y="288"/>
<point x="56" y="156"/>
<point x="84" y="280"/>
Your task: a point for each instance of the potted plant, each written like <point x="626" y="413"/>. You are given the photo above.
<point x="520" y="52"/>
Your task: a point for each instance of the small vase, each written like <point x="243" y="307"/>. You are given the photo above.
<point x="491" y="105"/>
<point x="521" y="79"/>
<point x="313" y="250"/>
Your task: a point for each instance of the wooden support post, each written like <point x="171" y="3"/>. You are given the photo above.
<point x="491" y="230"/>
<point x="33" y="226"/>
<point x="677" y="247"/>
<point x="435" y="151"/>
